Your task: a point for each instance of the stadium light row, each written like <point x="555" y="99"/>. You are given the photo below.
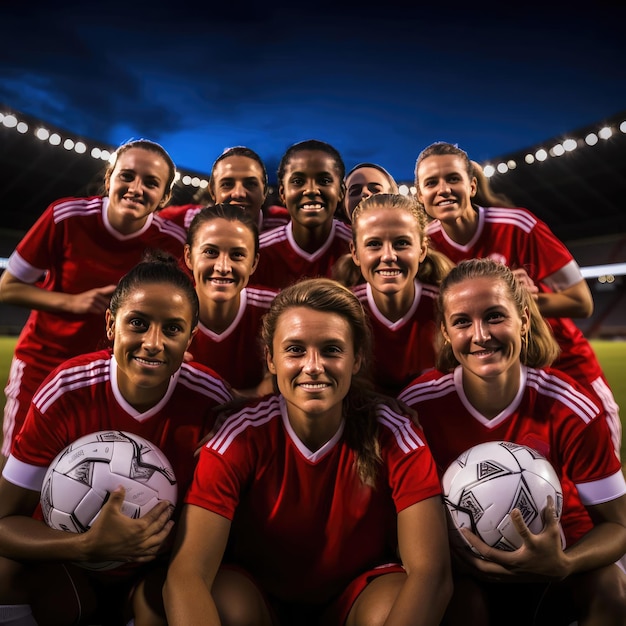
<point x="11" y="121"/>
<point x="567" y="145"/>
<point x="604" y="273"/>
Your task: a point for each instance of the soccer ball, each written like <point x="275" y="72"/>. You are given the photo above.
<point x="80" y="479"/>
<point x="486" y="482"/>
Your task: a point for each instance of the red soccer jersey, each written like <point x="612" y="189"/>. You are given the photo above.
<point x="403" y="349"/>
<point x="282" y="262"/>
<point x="235" y="354"/>
<point x="518" y="239"/>
<point x="304" y="525"/>
<point x="273" y="217"/>
<point x="181" y="214"/>
<point x="551" y="413"/>
<point x="76" y="247"/>
<point x="82" y="396"/>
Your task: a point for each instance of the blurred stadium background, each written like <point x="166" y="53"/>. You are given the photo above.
<point x="575" y="183"/>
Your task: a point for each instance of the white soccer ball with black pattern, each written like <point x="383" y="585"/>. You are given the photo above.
<point x="486" y="482"/>
<point x="80" y="479"/>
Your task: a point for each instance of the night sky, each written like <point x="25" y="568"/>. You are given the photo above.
<point x="378" y="84"/>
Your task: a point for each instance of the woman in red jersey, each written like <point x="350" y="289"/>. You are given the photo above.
<point x="302" y="501"/>
<point x="66" y="267"/>
<point x="465" y="226"/>
<point x="140" y="386"/>
<point x="238" y="177"/>
<point x="310" y="178"/>
<point x="493" y="383"/>
<point x="362" y="181"/>
<point x="390" y="248"/>
<point x="222" y="251"/>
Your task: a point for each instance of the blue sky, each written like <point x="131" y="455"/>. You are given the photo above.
<point x="378" y="84"/>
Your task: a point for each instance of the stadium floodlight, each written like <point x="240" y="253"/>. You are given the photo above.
<point x="10" y="121"/>
<point x="605" y="133"/>
<point x="489" y="171"/>
<point x="541" y="155"/>
<point x="569" y="145"/>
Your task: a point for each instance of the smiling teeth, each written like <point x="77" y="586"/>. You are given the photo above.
<point x="150" y="363"/>
<point x="314" y="385"/>
<point x="389" y="272"/>
<point x="311" y="206"/>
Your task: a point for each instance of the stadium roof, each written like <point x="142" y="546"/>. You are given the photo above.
<point x="577" y="183"/>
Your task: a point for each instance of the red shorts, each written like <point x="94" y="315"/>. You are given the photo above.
<point x="333" y="613"/>
<point x="338" y="610"/>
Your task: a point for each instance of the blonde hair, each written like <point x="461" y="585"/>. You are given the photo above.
<point x="539" y="348"/>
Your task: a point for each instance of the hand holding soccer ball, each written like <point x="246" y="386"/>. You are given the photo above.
<point x="505" y="501"/>
<point x="115" y="538"/>
<point x="118" y="486"/>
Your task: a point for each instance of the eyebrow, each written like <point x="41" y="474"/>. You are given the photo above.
<point x="231" y="178"/>
<point x="140" y="313"/>
<point x="323" y="341"/>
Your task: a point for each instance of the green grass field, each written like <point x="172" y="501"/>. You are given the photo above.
<point x="612" y="356"/>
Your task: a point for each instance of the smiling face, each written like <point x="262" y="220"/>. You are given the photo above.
<point x="388" y="248"/>
<point x="484" y="328"/>
<point x="311" y="188"/>
<point x="151" y="330"/>
<point x="239" y="180"/>
<point x="445" y="188"/>
<point x="136" y="188"/>
<point x="363" y="183"/>
<point x="222" y="259"/>
<point x="313" y="359"/>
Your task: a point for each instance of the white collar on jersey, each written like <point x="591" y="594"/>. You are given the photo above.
<point x="504" y="414"/>
<point x="133" y="412"/>
<point x="313" y="457"/>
